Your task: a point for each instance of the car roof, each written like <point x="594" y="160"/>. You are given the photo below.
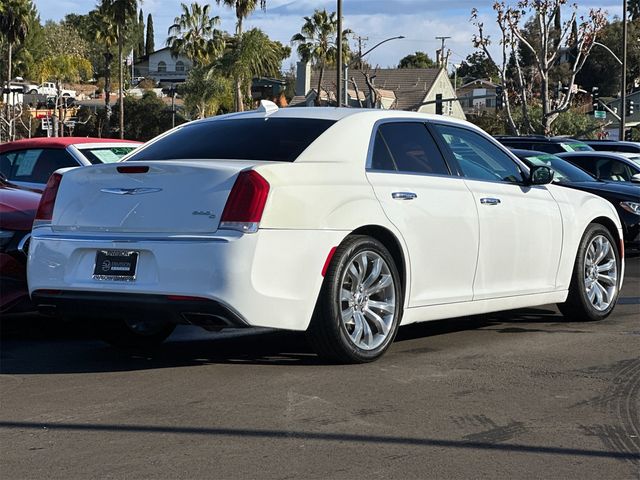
<point x="56" y="142"/>
<point x="597" y="153"/>
<point x="521" y="152"/>
<point x="331" y="113"/>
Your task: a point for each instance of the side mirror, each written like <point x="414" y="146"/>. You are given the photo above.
<point x="540" y="175"/>
<point x="635" y="178"/>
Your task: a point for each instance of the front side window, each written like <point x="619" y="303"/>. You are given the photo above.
<point x="479" y="159"/>
<point x="268" y="139"/>
<point x="34" y="165"/>
<point x="407" y="147"/>
<point x="614" y="170"/>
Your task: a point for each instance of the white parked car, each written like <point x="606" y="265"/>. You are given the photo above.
<point x="345" y="223"/>
<point x="49" y="88"/>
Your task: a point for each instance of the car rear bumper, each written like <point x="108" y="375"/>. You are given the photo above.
<point x="268" y="279"/>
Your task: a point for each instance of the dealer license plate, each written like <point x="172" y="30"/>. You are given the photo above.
<point x="116" y="265"/>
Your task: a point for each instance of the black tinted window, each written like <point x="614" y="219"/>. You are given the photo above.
<point x="479" y="158"/>
<point x="548" y="147"/>
<point x="34" y="165"/>
<point x="411" y="149"/>
<point x="271" y="139"/>
<point x="588" y="164"/>
<point x="381" y="159"/>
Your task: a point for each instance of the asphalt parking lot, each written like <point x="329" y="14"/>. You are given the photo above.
<point x="520" y="394"/>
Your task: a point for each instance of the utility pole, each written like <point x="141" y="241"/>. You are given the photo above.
<point x="339" y="63"/>
<point x="623" y="92"/>
<point x="360" y="39"/>
<point x="440" y="59"/>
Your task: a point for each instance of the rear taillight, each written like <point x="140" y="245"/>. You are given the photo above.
<point x="246" y="202"/>
<point x="47" y="201"/>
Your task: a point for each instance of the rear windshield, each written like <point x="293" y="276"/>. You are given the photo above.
<point x="271" y="139"/>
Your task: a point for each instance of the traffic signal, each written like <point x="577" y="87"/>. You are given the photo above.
<point x="595" y="95"/>
<point x="499" y="98"/>
<point x="438" y="104"/>
<point x="628" y="135"/>
<point x="630" y="108"/>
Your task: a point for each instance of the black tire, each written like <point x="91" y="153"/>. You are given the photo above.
<point x="578" y="307"/>
<point x="327" y="333"/>
<point x="124" y="334"/>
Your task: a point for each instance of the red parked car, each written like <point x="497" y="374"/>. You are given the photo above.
<point x="30" y="162"/>
<point x="18" y="207"/>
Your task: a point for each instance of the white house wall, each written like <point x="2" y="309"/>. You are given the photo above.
<point x="443" y="85"/>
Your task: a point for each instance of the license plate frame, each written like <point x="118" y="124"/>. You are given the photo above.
<point x="116" y="265"/>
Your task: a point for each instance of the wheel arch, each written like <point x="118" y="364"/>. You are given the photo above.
<point x="610" y="225"/>
<point x="391" y="243"/>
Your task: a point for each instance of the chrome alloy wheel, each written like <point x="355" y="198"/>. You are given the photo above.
<point x="600" y="273"/>
<point x="367" y="300"/>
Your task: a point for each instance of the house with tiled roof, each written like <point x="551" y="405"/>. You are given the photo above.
<point x="410" y="89"/>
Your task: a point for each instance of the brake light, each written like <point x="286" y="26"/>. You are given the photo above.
<point x="133" y="169"/>
<point x="44" y="215"/>
<point x="246" y="202"/>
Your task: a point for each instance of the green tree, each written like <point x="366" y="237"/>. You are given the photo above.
<point x="206" y="93"/>
<point x="317" y="42"/>
<point x="63" y="68"/>
<point x="105" y="34"/>
<point x="64" y="39"/>
<point x="602" y="70"/>
<point x="256" y="55"/>
<point x="243" y="8"/>
<point x="139" y="51"/>
<point x="120" y="12"/>
<point x="147" y="117"/>
<point x="149" y="47"/>
<point x="193" y="34"/>
<point x="633" y="6"/>
<point x="416" y="60"/>
<point x="26" y="54"/>
<point x="15" y="18"/>
<point x="476" y="66"/>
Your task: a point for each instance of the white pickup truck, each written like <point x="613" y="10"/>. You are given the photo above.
<point x="49" y="89"/>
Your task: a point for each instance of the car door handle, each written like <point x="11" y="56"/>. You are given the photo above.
<point x="403" y="195"/>
<point x="490" y="201"/>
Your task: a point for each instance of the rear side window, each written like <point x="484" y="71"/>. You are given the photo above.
<point x="548" y="147"/>
<point x="34" y="165"/>
<point x="407" y="147"/>
<point x="270" y="139"/>
<point x="588" y="164"/>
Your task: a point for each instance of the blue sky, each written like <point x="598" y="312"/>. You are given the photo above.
<point x="420" y="21"/>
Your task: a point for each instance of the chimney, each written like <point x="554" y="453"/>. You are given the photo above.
<point x="303" y="78"/>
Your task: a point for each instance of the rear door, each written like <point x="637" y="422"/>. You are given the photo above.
<point x="520" y="226"/>
<point x="32" y="167"/>
<point x="431" y="207"/>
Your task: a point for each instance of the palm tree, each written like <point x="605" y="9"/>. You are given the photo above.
<point x="243" y="9"/>
<point x="254" y="56"/>
<point x="317" y="42"/>
<point x="105" y="33"/>
<point x="120" y="12"/>
<point x="193" y="34"/>
<point x="15" y="17"/>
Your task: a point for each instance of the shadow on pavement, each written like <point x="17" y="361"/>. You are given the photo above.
<point x="32" y="344"/>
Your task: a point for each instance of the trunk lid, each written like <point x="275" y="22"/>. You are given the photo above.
<point x="180" y="197"/>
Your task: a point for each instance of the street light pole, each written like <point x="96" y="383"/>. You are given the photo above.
<point x="339" y="53"/>
<point x="623" y="93"/>
<point x="359" y="60"/>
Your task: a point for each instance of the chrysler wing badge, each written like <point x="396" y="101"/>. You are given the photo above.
<point x="130" y="191"/>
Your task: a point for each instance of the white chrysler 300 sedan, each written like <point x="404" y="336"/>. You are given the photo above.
<point x="345" y="223"/>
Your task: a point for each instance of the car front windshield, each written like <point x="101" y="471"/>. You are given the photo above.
<point x="112" y="154"/>
<point x="576" y="147"/>
<point x="563" y="172"/>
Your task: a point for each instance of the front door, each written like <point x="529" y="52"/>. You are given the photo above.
<point x="520" y="225"/>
